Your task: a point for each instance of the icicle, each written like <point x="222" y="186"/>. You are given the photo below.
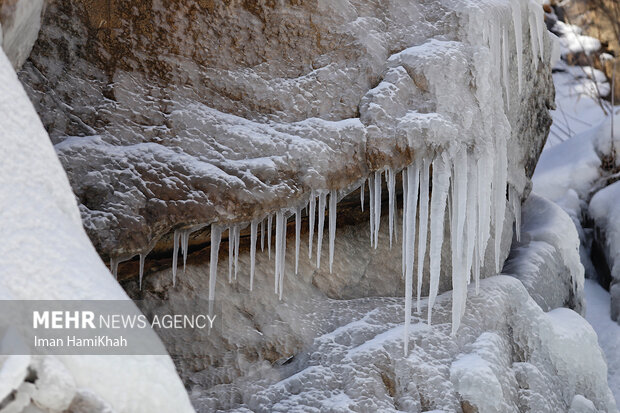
<point x="505" y="67"/>
<point x="377" y="206"/>
<point x="516" y="208"/>
<point x="371" y="191"/>
<point x="216" y="236"/>
<point x="499" y="195"/>
<point x="114" y="266"/>
<point x="279" y="231"/>
<point x="362" y="190"/>
<point x="333" y="200"/>
<point x="423" y="230"/>
<point x="269" y="220"/>
<point x="142" y="256"/>
<point x="540" y="28"/>
<point x="297" y="238"/>
<point x="441" y="183"/>
<point x="282" y="257"/>
<point x="262" y="235"/>
<point x="184" y="246"/>
<point x="175" y="254"/>
<point x="404" y="241"/>
<point x="516" y="20"/>
<point x="459" y="210"/>
<point x="231" y="251"/>
<point x="485" y="178"/>
<point x="253" y="236"/>
<point x="472" y="216"/>
<point x="312" y="214"/>
<point x="319" y="242"/>
<point x="413" y="175"/>
<point x="391" y="183"/>
<point x="237" y="239"/>
<point x="534" y="36"/>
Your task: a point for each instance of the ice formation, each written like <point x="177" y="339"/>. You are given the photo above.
<point x="469" y="175"/>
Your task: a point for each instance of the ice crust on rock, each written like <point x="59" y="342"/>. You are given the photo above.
<point x="434" y="100"/>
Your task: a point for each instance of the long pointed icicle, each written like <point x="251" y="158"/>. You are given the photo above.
<point x="533" y="23"/>
<point x="282" y="257"/>
<point x="237" y="239"/>
<point x="142" y="256"/>
<point x="333" y="201"/>
<point x="413" y="174"/>
<point x="516" y="20"/>
<point x="485" y="164"/>
<point x="216" y="237"/>
<point x="404" y="241"/>
<point x="505" y="67"/>
<point x="459" y="210"/>
<point x="362" y="190"/>
<point x="231" y="251"/>
<point x="319" y="241"/>
<point x="441" y="184"/>
<point x="279" y="232"/>
<point x="253" y="236"/>
<point x="371" y="192"/>
<point x="472" y="216"/>
<point x="377" y="206"/>
<point x="423" y="230"/>
<point x="297" y="238"/>
<point x="269" y="219"/>
<point x="175" y="256"/>
<point x="312" y="214"/>
<point x="516" y="209"/>
<point x="499" y="194"/>
<point x="391" y="189"/>
<point x="184" y="247"/>
<point x="262" y="235"/>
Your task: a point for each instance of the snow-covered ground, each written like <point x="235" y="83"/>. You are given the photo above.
<point x="569" y="173"/>
<point x="608" y="331"/>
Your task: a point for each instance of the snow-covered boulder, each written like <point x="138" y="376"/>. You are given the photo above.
<point x="604" y="210"/>
<point x="546" y="258"/>
<point x="508" y="356"/>
<point x="46" y="255"/>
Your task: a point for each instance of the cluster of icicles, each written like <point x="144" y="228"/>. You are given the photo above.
<point x="470" y="187"/>
<point x="472" y="191"/>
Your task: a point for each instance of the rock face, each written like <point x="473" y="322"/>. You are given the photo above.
<point x="162" y="124"/>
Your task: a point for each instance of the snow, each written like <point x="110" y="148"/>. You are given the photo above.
<point x="38" y="212"/>
<point x="604" y="209"/>
<point x="573" y="41"/>
<point x="607" y="330"/>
